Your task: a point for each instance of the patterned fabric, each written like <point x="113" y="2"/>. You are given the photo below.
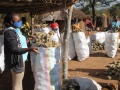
<point x="25" y="29"/>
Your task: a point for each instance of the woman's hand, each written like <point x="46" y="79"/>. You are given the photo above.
<point x="34" y="49"/>
<point x="32" y="36"/>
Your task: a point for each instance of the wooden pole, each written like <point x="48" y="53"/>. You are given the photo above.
<point x="68" y="16"/>
<point x="32" y="22"/>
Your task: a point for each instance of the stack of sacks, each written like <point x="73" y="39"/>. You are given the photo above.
<point x="46" y="65"/>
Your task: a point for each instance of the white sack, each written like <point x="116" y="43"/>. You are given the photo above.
<point x="47" y="69"/>
<point x="88" y="84"/>
<point x="71" y="52"/>
<point x="46" y="29"/>
<point x="89" y="45"/>
<point x="111" y="44"/>
<point x="56" y="36"/>
<point x="2" y="65"/>
<point x="98" y="37"/>
<point x="81" y="46"/>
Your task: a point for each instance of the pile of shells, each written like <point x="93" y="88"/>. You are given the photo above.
<point x="44" y="40"/>
<point x="76" y="30"/>
<point x="97" y="46"/>
<point x="113" y="70"/>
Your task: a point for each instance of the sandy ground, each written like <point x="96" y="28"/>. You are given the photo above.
<point x="88" y="68"/>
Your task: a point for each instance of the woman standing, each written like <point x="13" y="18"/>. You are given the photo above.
<point x="15" y="49"/>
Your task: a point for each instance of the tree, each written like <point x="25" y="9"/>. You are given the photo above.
<point x="92" y="4"/>
<point x="68" y="15"/>
<point x="115" y="10"/>
<point x="86" y="10"/>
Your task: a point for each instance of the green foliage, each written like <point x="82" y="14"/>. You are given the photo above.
<point x="115" y="10"/>
<point x="86" y="10"/>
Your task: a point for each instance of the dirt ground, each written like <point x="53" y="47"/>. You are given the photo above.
<point x="87" y="68"/>
<point x="95" y="63"/>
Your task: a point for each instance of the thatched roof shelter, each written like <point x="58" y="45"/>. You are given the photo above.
<point x="58" y="15"/>
<point x="35" y="6"/>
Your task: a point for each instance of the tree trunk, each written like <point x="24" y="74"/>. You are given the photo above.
<point x="32" y="22"/>
<point x="92" y="2"/>
<point x="66" y="42"/>
<point x="93" y="14"/>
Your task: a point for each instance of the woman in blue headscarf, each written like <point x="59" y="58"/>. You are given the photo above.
<point x="15" y="49"/>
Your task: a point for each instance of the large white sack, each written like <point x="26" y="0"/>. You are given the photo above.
<point x="47" y="69"/>
<point x="111" y="44"/>
<point x="71" y="51"/>
<point x="89" y="45"/>
<point x="88" y="84"/>
<point x="2" y="65"/>
<point x="81" y="46"/>
<point x="98" y="37"/>
<point x="56" y="36"/>
<point x="46" y="29"/>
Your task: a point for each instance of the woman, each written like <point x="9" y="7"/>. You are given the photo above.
<point x="15" y="49"/>
<point x="54" y="25"/>
<point x="89" y="24"/>
<point x="25" y="29"/>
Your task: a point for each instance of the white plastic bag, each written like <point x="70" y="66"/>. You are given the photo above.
<point x="2" y="65"/>
<point x="88" y="84"/>
<point x="56" y="36"/>
<point x="71" y="52"/>
<point x="47" y="69"/>
<point x="81" y="46"/>
<point x="89" y="45"/>
<point x="111" y="44"/>
<point x="46" y="29"/>
<point x="98" y="37"/>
